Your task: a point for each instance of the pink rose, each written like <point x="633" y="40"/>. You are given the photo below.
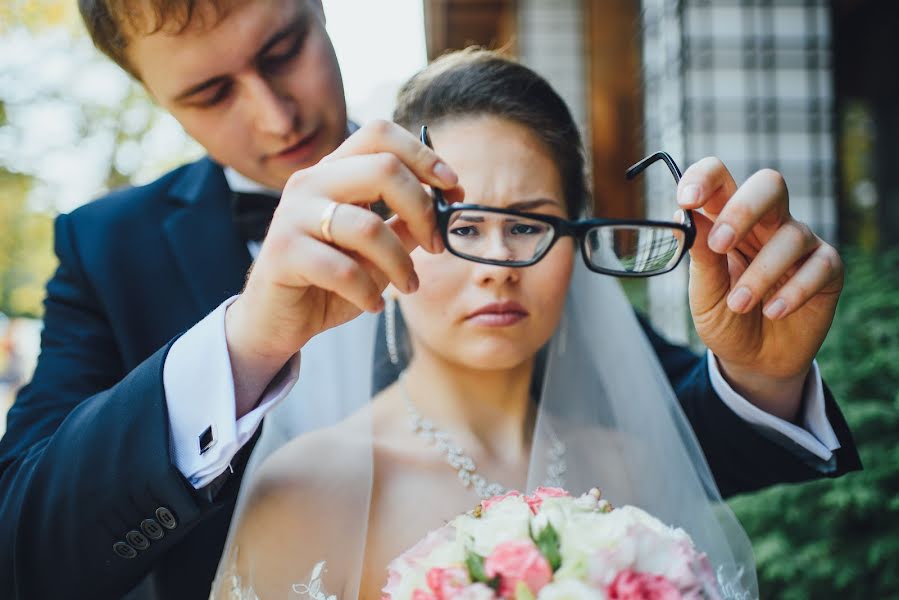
<point x="447" y="583"/>
<point x="422" y="595"/>
<point x="486" y="504"/>
<point x="630" y="585"/>
<point x="541" y="493"/>
<point x="518" y="560"/>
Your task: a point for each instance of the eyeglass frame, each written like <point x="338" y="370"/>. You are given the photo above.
<point x="577" y="229"/>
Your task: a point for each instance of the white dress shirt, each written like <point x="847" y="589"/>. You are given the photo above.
<point x="199" y="391"/>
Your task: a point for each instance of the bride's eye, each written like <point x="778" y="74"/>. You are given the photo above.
<point x="464" y="231"/>
<point x="527" y="229"/>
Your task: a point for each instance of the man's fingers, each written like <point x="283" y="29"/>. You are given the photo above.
<point x="383" y="136"/>
<point x="790" y="244"/>
<point x="706" y="184"/>
<point x="362" y="232"/>
<point x="821" y="269"/>
<point x="311" y="262"/>
<point x="762" y="199"/>
<point x="366" y="179"/>
<point x="401" y="230"/>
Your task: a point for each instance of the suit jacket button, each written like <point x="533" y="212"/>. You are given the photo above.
<point x="166" y="518"/>
<point x="137" y="540"/>
<point x="124" y="550"/>
<point x="151" y="529"/>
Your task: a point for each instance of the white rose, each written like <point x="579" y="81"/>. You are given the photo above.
<point x="478" y="591"/>
<point x="570" y="589"/>
<point x="507" y="520"/>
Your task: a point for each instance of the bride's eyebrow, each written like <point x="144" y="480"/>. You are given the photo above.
<point x="531" y="204"/>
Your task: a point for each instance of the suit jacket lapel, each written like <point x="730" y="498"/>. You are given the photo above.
<point x="210" y="254"/>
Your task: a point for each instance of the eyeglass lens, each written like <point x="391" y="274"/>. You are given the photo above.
<point x="634" y="249"/>
<point x="498" y="237"/>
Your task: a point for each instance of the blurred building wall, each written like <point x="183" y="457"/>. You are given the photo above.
<point x="750" y="82"/>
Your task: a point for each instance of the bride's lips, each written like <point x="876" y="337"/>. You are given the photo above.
<point x="301" y="151"/>
<point x="498" y="314"/>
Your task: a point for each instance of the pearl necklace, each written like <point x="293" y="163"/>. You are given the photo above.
<point x="464" y="464"/>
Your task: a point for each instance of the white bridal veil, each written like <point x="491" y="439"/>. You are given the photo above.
<point x="604" y="397"/>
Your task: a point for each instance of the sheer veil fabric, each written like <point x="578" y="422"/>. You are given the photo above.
<point x="603" y="397"/>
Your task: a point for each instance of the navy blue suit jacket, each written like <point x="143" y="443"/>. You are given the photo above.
<point x="85" y="459"/>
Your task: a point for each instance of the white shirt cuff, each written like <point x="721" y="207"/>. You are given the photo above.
<point x="816" y="434"/>
<point x="199" y="392"/>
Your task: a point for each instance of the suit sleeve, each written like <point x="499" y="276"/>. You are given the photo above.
<point x="742" y="458"/>
<point x="89" y="497"/>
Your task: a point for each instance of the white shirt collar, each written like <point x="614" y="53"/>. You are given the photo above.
<point x="241" y="183"/>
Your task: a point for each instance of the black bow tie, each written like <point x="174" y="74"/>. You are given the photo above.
<point x="252" y="213"/>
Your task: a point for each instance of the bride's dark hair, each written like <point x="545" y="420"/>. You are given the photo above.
<point x="475" y="82"/>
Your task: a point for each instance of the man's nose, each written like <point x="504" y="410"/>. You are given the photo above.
<point x="274" y="113"/>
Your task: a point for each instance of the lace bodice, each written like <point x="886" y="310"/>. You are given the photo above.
<point x="235" y="589"/>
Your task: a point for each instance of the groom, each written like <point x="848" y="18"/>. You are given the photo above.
<point x="123" y="457"/>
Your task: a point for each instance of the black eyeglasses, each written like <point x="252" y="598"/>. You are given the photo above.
<point x="511" y="238"/>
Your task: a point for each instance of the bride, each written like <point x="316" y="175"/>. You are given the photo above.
<point x="515" y="377"/>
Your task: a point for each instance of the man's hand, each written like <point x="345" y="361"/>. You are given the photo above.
<point x="301" y="285"/>
<point x="763" y="286"/>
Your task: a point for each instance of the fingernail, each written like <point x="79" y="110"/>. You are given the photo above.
<point x="739" y="299"/>
<point x="379" y="306"/>
<point x="689" y="196"/>
<point x="437" y="243"/>
<point x="413" y="283"/>
<point x="775" y="309"/>
<point x="721" y="238"/>
<point x="445" y="174"/>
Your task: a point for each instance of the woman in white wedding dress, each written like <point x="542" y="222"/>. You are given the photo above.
<point x="516" y="377"/>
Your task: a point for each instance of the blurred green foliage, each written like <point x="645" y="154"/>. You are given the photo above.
<point x="840" y="538"/>
<point x="26" y="252"/>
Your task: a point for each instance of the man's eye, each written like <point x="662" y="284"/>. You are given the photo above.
<point x="464" y="231"/>
<point x="220" y="94"/>
<point x="277" y="59"/>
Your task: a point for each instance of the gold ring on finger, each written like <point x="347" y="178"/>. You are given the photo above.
<point x="327" y="218"/>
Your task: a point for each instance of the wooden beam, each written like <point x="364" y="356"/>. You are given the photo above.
<point x="457" y="24"/>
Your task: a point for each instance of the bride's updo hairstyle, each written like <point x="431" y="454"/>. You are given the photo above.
<point x="476" y="82"/>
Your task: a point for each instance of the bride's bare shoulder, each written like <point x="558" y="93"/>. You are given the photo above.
<point x="335" y="455"/>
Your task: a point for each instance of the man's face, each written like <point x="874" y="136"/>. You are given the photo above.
<point x="260" y="89"/>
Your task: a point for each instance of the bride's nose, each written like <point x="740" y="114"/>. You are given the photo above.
<point x="486" y="275"/>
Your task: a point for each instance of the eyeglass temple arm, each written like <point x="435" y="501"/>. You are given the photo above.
<point x="426" y="140"/>
<point x="643" y="164"/>
<point x="675" y="172"/>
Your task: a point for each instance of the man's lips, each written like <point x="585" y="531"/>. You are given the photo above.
<point x="298" y="148"/>
<point x="498" y="314"/>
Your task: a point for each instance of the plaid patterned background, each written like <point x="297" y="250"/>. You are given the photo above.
<point x="748" y="81"/>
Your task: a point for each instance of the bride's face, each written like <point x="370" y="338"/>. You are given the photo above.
<point x="486" y="316"/>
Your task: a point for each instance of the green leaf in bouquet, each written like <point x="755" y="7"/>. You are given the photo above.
<point x="547" y="542"/>
<point x="475" y="564"/>
<point x="476" y="572"/>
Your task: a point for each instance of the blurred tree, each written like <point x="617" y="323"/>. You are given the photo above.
<point x="26" y="257"/>
<point x="37" y="14"/>
<point x="72" y="125"/>
<point x="840" y="538"/>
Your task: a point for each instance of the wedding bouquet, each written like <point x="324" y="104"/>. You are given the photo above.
<point x="551" y="546"/>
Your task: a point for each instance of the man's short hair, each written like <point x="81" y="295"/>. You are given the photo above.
<point x="110" y="23"/>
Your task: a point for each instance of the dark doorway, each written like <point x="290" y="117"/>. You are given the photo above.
<point x="866" y="49"/>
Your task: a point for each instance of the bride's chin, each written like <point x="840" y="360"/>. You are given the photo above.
<point x="493" y="357"/>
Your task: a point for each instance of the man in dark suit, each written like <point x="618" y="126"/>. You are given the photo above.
<point x="160" y="355"/>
